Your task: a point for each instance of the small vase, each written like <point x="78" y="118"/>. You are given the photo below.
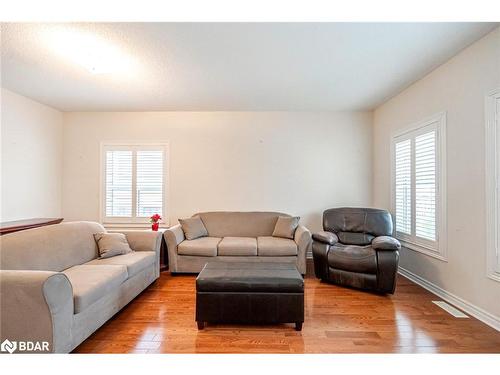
<point x="154" y="227"/>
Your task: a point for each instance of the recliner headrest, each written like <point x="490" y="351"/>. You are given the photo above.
<point x="374" y="221"/>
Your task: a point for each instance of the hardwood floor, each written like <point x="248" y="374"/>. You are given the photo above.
<point x="338" y="320"/>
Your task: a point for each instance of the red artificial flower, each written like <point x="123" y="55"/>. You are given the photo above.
<point x="155" y="218"/>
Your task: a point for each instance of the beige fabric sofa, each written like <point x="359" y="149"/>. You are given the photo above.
<point x="54" y="288"/>
<point x="236" y="236"/>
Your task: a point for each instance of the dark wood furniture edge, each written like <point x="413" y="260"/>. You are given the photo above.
<point x="18" y="225"/>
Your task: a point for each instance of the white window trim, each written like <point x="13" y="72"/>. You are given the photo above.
<point x="421" y="246"/>
<point x="133" y="223"/>
<point x="492" y="184"/>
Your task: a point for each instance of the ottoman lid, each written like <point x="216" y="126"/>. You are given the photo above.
<point x="262" y="277"/>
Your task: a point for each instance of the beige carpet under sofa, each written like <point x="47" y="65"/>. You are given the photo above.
<point x="239" y="237"/>
<point x="55" y="289"/>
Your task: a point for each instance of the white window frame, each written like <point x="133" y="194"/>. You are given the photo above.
<point x="492" y="180"/>
<point x="132" y="222"/>
<point x="436" y="249"/>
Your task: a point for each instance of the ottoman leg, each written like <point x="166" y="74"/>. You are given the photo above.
<point x="201" y="325"/>
<point x="298" y="326"/>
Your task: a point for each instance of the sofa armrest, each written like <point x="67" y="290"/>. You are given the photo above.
<point x="37" y="306"/>
<point x="143" y="240"/>
<point x="303" y="240"/>
<point x="328" y="238"/>
<point x="173" y="237"/>
<point x="386" y="243"/>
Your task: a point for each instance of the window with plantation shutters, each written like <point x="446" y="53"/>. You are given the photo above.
<point x="118" y="183"/>
<point x="149" y="183"/>
<point x="492" y="180"/>
<point x="418" y="186"/>
<point x="425" y="185"/>
<point x="496" y="120"/>
<point x="134" y="183"/>
<point x="403" y="186"/>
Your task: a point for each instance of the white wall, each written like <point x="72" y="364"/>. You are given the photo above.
<point x="31" y="158"/>
<point x="459" y="88"/>
<point x="296" y="162"/>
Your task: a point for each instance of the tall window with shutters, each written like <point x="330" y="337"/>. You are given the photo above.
<point x="492" y="179"/>
<point x="134" y="182"/>
<point x="419" y="201"/>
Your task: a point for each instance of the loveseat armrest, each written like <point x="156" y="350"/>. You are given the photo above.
<point x="173" y="237"/>
<point x="328" y="238"/>
<point x="43" y="297"/>
<point x="303" y="240"/>
<point x="386" y="243"/>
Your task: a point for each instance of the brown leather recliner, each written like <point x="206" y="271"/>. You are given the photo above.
<point x="356" y="249"/>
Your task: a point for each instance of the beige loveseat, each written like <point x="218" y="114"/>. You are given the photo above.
<point x="54" y="289"/>
<point x="236" y="236"/>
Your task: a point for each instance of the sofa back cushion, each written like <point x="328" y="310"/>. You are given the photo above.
<point x="367" y="221"/>
<point x="50" y="248"/>
<point x="240" y="224"/>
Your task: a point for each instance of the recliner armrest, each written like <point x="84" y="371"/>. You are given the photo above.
<point x="386" y="243"/>
<point x="326" y="237"/>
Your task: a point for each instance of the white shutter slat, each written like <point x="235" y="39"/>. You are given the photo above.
<point x="425" y="185"/>
<point x="118" y="183"/>
<point x="403" y="186"/>
<point x="149" y="183"/>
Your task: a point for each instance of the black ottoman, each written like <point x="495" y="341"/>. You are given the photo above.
<point x="254" y="293"/>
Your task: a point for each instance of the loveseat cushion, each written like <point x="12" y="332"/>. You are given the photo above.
<point x="193" y="228"/>
<point x="135" y="261"/>
<point x="90" y="283"/>
<point x="353" y="258"/>
<point x="286" y="226"/>
<point x="237" y="246"/>
<point x="204" y="246"/>
<point x="275" y="246"/>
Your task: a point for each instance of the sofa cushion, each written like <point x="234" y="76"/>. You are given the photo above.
<point x="353" y="258"/>
<point x="275" y="246"/>
<point x="50" y="248"/>
<point x="286" y="226"/>
<point x="135" y="261"/>
<point x="111" y="244"/>
<point x="237" y="246"/>
<point x="90" y="283"/>
<point x="204" y="246"/>
<point x="193" y="228"/>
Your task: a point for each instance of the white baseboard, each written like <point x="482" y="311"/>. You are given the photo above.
<point x="478" y="313"/>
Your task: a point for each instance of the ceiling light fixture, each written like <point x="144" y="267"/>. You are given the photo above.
<point x="90" y="51"/>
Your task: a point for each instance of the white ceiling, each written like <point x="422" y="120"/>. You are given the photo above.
<point x="233" y="66"/>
